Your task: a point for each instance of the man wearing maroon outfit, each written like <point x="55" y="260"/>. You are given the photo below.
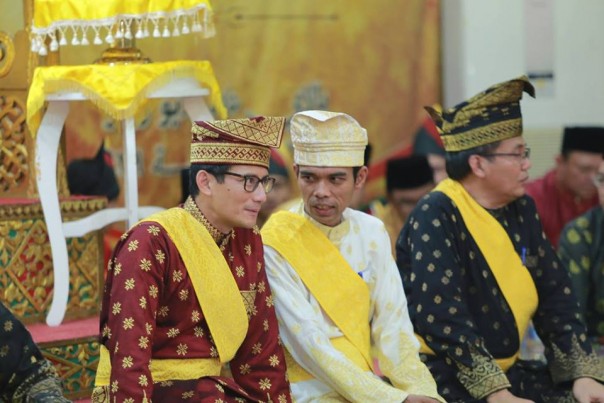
<point x="567" y="191"/>
<point x="186" y="299"/>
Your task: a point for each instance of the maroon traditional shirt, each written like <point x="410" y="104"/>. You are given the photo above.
<point x="150" y="311"/>
<point x="556" y="206"/>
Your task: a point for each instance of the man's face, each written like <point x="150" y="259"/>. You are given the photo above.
<point x="506" y="170"/>
<point x="282" y="192"/>
<point x="438" y="165"/>
<point x="231" y="205"/>
<point x="576" y="171"/>
<point x="327" y="191"/>
<point x="404" y="200"/>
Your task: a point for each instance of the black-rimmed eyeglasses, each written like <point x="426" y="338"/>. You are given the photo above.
<point x="521" y="156"/>
<point x="251" y="182"/>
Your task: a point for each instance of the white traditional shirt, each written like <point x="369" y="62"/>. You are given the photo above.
<point x="306" y="330"/>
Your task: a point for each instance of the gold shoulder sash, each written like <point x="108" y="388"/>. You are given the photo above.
<point x="213" y="282"/>
<point x="340" y="291"/>
<point x="498" y="250"/>
<point x="216" y="291"/>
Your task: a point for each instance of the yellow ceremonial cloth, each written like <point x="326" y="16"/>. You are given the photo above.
<point x="163" y="370"/>
<point x="215" y="289"/>
<point x="511" y="275"/>
<point x="340" y="291"/>
<point x="79" y="12"/>
<point x="119" y="91"/>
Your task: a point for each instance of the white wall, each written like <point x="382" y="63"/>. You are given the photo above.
<point x="484" y="42"/>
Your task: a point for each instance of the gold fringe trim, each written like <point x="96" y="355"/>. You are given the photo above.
<point x="61" y="85"/>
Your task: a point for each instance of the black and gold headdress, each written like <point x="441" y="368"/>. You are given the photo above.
<point x="492" y="115"/>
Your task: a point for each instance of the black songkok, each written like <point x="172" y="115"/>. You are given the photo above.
<point x="590" y="139"/>
<point x="408" y="173"/>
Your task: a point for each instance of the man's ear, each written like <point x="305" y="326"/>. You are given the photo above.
<point x="361" y="177"/>
<point x="296" y="169"/>
<point x="477" y="165"/>
<point x="204" y="182"/>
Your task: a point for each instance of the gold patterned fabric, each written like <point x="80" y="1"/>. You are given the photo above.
<point x="153" y="319"/>
<point x="236" y="141"/>
<point x="84" y="22"/>
<point x="311" y="336"/>
<point x="460" y="310"/>
<point x="493" y="115"/>
<point x="25" y="375"/>
<point x="118" y="92"/>
<point x="327" y="139"/>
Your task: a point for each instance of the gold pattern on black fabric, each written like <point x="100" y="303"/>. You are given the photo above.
<point x="221" y="239"/>
<point x="574" y="364"/>
<point x="484" y="377"/>
<point x="477" y="137"/>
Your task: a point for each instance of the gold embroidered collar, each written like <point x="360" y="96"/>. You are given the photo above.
<point x="334" y="234"/>
<point x="218" y="237"/>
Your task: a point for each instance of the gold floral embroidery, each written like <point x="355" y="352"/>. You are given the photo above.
<point x="273" y="360"/>
<point x="153" y="230"/>
<point x="257" y="348"/>
<point x="129" y="284"/>
<point x="160" y="256"/>
<point x="143" y="342"/>
<point x="218" y="237"/>
<point x="265" y="384"/>
<point x="245" y="369"/>
<point x="128" y="323"/>
<point x="484" y="377"/>
<point x="132" y="245"/>
<point x="145" y="265"/>
<point x="574" y="363"/>
<point x="153" y="291"/>
<point x="183" y="295"/>
<point x="127" y="362"/>
<point x="182" y="349"/>
<point x="195" y="316"/>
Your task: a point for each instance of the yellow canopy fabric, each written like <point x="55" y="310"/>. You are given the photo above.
<point x="99" y="21"/>
<point x="119" y="90"/>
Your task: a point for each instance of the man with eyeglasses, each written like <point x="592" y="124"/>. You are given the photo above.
<point x="477" y="269"/>
<point x="567" y="191"/>
<point x="341" y="307"/>
<point x="582" y="252"/>
<point x="187" y="300"/>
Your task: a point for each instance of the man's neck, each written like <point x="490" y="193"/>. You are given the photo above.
<point x="482" y="195"/>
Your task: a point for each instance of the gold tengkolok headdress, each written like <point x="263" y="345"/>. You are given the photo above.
<point x="236" y="141"/>
<point x="492" y="115"/>
<point x="327" y="139"/>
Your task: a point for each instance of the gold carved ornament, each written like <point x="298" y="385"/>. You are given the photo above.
<point x="7" y="53"/>
<point x="13" y="149"/>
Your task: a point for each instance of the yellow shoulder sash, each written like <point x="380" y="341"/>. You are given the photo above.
<point x="213" y="282"/>
<point x="498" y="250"/>
<point x="340" y="291"/>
